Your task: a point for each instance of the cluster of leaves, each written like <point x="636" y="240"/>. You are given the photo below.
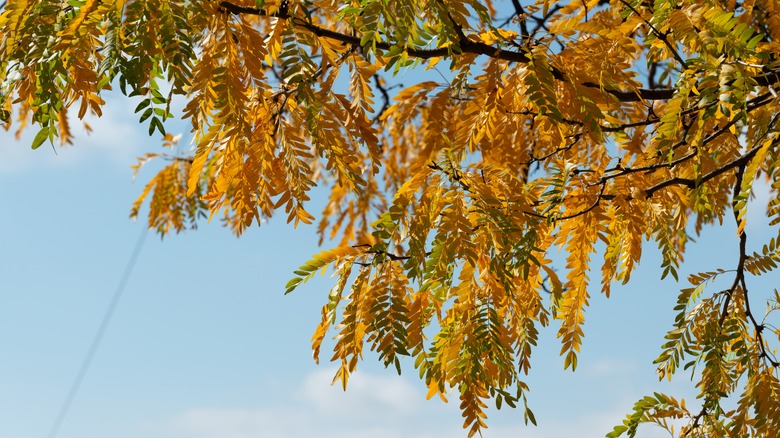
<point x="563" y="125"/>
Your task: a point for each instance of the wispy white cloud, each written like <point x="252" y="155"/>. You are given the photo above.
<point x="116" y="138"/>
<point x="569" y="424"/>
<point x="378" y="406"/>
<point x="374" y="406"/>
<point x="610" y="367"/>
<point x="368" y="394"/>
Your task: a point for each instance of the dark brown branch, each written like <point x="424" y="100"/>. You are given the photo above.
<point x="465" y="45"/>
<point x="595" y="204"/>
<point x="769" y="78"/>
<point x="479" y="48"/>
<point x="625" y="126"/>
<point x="753" y="104"/>
<point x="692" y="184"/>
<point x="601" y="196"/>
<point x="527" y="112"/>
<point x="696" y="419"/>
<point x="651" y="167"/>
<point x="453" y="174"/>
<point x="759" y="328"/>
<point x="520" y="12"/>
<point x="739" y="279"/>
<point x="632" y="96"/>
<point x="658" y="34"/>
<point x="379" y="252"/>
<point x="457" y="27"/>
<point x="652" y="71"/>
<point x="740" y="275"/>
<point x="238" y="10"/>
<point x="384" y="91"/>
<point x="534" y="159"/>
<point x="652" y="119"/>
<point x="737" y="162"/>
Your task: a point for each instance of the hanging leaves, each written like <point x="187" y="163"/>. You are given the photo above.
<point x="589" y="128"/>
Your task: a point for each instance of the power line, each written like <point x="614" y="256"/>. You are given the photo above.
<point x="74" y="387"/>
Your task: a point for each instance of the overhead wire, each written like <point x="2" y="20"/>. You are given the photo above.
<point x="97" y="339"/>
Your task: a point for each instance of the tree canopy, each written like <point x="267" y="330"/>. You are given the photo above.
<point x="591" y="127"/>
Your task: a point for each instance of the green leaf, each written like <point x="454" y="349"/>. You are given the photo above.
<point x="617" y="431"/>
<point x="156" y="124"/>
<point x="293" y="283"/>
<point x="42" y="135"/>
<point x="144" y="103"/>
<point x="321" y="260"/>
<point x="529" y="416"/>
<point x="145" y="115"/>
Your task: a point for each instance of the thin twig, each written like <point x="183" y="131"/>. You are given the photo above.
<point x="658" y="34"/>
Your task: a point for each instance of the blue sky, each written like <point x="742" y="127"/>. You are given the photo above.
<point x="204" y="344"/>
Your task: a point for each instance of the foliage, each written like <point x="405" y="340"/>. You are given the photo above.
<point x="589" y="127"/>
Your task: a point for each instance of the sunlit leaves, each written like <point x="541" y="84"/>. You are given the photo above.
<point x="171" y="206"/>
<point x="658" y="408"/>
<point x="585" y="128"/>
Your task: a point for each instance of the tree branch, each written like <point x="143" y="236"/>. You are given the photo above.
<point x="466" y="46"/>
<point x="520" y="12"/>
<point x="740" y="162"/>
<point x="478" y="48"/>
<point x="659" y="35"/>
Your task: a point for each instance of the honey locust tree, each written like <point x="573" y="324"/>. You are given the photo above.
<point x="594" y="127"/>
